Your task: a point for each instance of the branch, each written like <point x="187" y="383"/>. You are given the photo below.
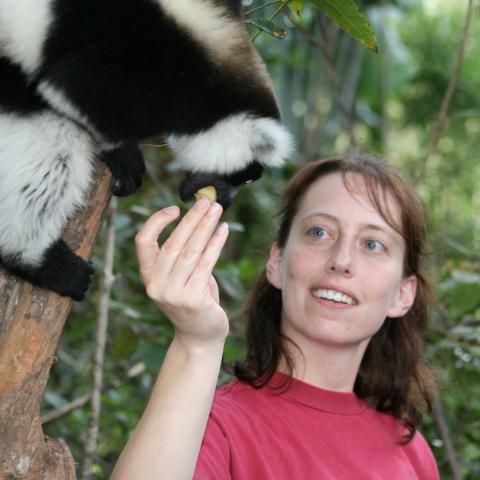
<point x="100" y="343"/>
<point x="442" y="118"/>
<point x="332" y="75"/>
<point x="31" y="322"/>
<point x="439" y="417"/>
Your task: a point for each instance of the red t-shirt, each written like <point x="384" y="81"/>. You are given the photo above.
<point x="305" y="433"/>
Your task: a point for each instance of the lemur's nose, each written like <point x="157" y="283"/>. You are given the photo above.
<point x="226" y="186"/>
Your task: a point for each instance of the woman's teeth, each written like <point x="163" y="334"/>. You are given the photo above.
<point x="334" y="296"/>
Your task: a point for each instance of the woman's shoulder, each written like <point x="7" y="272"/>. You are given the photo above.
<point x="236" y="392"/>
<point x="417" y="450"/>
<point x="421" y="456"/>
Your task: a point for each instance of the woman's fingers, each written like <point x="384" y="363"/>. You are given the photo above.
<point x="202" y="275"/>
<point x="175" y="243"/>
<point x="193" y="249"/>
<point x="146" y="239"/>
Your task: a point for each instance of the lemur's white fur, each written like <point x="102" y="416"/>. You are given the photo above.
<point x="208" y="23"/>
<point x="23" y="29"/>
<point x="232" y="144"/>
<point x="60" y="103"/>
<point x="223" y="36"/>
<point x="45" y="171"/>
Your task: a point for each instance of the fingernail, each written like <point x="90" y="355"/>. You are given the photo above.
<point x="214" y="209"/>
<point x="223" y="227"/>
<point x="202" y="204"/>
<point x="173" y="210"/>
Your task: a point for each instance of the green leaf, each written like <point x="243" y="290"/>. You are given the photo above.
<point x="463" y="299"/>
<point x="124" y="345"/>
<point x="268" y="27"/>
<point x="152" y="354"/>
<point x="296" y="6"/>
<point x="350" y="19"/>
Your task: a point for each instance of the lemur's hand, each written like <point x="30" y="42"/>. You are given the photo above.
<point x="127" y="167"/>
<point x="178" y="275"/>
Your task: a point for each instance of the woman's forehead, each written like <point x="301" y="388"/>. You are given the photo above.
<point x="348" y="196"/>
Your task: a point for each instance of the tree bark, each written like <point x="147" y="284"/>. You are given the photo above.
<point x="31" y="322"/>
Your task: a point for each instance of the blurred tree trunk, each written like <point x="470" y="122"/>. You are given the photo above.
<point x="31" y="322"/>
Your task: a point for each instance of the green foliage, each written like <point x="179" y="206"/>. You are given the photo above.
<point x="345" y="14"/>
<point x="349" y="18"/>
<point x="392" y="98"/>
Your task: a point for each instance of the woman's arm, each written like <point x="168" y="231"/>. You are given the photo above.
<point x="178" y="278"/>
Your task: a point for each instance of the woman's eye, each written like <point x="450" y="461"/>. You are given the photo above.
<point x="317" y="232"/>
<point x="374" y="246"/>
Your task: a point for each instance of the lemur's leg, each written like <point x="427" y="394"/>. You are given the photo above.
<point x="45" y="171"/>
<point x="127" y="166"/>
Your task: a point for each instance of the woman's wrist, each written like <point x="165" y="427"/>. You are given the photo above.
<point x="190" y="349"/>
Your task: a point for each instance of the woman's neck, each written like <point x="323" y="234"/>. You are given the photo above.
<point x="329" y="367"/>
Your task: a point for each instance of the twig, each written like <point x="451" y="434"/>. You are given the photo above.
<point x="100" y="342"/>
<point x="442" y="118"/>
<point x="79" y="402"/>
<point x="439" y="417"/>
<point x="66" y="409"/>
<point x="265" y="5"/>
<point x="384" y="78"/>
<point x="162" y="145"/>
<point x="274" y="14"/>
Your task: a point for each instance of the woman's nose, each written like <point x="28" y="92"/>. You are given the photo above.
<point x="341" y="259"/>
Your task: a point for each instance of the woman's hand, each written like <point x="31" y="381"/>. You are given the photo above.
<point x="178" y="275"/>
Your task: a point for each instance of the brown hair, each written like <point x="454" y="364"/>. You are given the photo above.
<point x="393" y="375"/>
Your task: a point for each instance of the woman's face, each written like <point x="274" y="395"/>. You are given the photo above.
<point x="341" y="271"/>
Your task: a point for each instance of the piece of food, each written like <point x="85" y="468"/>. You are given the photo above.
<point x="207" y="192"/>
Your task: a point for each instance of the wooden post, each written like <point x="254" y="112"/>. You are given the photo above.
<point x="31" y="322"/>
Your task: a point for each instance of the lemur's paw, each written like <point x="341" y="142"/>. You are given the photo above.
<point x="61" y="271"/>
<point x="64" y="272"/>
<point x="127" y="167"/>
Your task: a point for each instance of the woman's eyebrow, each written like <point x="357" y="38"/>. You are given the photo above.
<point x="320" y="214"/>
<point x="378" y="228"/>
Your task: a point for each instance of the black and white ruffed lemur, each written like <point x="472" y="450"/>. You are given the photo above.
<point x="87" y="79"/>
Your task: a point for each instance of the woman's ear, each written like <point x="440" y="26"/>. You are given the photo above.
<point x="405" y="298"/>
<point x="274" y="274"/>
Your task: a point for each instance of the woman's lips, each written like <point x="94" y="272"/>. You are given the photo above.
<point x="332" y="304"/>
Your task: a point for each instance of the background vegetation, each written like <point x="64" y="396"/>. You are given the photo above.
<point x="334" y="93"/>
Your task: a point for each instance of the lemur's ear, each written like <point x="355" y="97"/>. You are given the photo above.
<point x="226" y="186"/>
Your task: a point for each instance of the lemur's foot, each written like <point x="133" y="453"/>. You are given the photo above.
<point x="61" y="271"/>
<point x="127" y="167"/>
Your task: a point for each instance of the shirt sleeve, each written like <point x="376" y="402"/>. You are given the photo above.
<point x="214" y="458"/>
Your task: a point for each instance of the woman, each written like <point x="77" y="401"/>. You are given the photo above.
<point x="334" y="368"/>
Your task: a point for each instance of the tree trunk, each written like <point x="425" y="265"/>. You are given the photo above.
<point x="31" y="322"/>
